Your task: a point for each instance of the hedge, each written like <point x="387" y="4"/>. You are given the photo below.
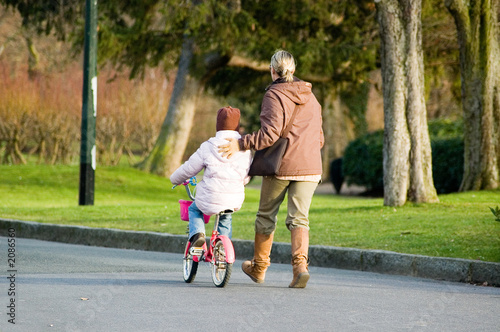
<point x="362" y="163"/>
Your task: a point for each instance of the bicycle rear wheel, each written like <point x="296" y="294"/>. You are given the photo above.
<point x="221" y="269"/>
<point x="189" y="266"/>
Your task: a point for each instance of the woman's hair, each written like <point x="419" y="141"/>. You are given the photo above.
<point x="283" y="64"/>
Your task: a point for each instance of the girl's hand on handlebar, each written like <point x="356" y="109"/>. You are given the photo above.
<point x="191" y="181"/>
<point x="230" y="148"/>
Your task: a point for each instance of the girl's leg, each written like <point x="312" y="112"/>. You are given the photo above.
<point x="196" y="223"/>
<point x="225" y="225"/>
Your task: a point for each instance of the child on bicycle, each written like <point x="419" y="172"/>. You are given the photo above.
<point x="224" y="180"/>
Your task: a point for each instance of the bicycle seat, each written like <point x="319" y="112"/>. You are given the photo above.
<point x="228" y="211"/>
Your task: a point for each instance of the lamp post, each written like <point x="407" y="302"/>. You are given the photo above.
<point x="89" y="104"/>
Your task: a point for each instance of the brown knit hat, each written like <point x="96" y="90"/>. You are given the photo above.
<point x="228" y="118"/>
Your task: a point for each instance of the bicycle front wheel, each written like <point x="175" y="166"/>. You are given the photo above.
<point x="221" y="269"/>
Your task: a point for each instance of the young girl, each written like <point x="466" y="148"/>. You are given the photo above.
<point x="223" y="184"/>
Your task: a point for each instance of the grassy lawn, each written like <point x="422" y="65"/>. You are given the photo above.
<point x="461" y="225"/>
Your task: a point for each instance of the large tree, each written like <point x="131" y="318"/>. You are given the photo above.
<point x="407" y="150"/>
<point x="477" y="25"/>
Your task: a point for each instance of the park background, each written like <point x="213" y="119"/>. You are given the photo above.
<point x="41" y="114"/>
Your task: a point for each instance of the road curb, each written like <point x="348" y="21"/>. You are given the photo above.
<point x="379" y="261"/>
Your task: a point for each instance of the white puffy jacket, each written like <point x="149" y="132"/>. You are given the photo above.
<point x="223" y="184"/>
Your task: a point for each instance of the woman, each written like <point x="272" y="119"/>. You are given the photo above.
<point x="300" y="170"/>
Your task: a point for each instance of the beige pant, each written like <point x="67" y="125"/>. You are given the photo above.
<point x="272" y="194"/>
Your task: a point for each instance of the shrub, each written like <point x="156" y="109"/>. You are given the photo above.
<point x="445" y="128"/>
<point x="363" y="158"/>
<point x="42" y="117"/>
<point x="447" y="164"/>
<point x="362" y="164"/>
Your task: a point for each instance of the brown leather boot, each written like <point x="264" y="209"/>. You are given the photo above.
<point x="256" y="268"/>
<point x="300" y="250"/>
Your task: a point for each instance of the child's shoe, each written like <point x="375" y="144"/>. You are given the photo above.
<point x="197" y="240"/>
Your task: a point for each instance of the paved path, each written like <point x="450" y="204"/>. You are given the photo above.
<point x="63" y="287"/>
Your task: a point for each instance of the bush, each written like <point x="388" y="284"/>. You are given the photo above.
<point x="447" y="164"/>
<point x="42" y="117"/>
<point x="444" y="128"/>
<point x="362" y="164"/>
<point x="363" y="158"/>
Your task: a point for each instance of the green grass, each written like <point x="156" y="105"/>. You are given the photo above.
<point x="461" y="225"/>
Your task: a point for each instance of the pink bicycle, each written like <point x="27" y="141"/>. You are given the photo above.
<point x="219" y="253"/>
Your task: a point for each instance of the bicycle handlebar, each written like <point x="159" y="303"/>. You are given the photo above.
<point x="192" y="181"/>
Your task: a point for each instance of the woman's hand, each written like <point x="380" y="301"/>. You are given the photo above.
<point x="230" y="148"/>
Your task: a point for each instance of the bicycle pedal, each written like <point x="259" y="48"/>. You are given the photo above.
<point x="196" y="251"/>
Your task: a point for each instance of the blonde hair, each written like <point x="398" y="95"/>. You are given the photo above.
<point x="283" y="64"/>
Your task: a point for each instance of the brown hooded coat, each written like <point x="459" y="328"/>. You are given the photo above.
<point x="303" y="155"/>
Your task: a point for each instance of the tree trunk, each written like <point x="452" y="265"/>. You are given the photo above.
<point x="33" y="55"/>
<point x="33" y="59"/>
<point x="407" y="150"/>
<point x="167" y="153"/>
<point x="421" y="183"/>
<point x="477" y="26"/>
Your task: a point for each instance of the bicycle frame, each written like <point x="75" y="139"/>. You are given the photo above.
<point x="207" y="254"/>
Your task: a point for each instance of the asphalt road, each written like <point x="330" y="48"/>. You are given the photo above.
<point x="62" y="287"/>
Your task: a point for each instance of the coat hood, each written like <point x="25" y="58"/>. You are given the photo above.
<point x="297" y="91"/>
<point x="220" y="139"/>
